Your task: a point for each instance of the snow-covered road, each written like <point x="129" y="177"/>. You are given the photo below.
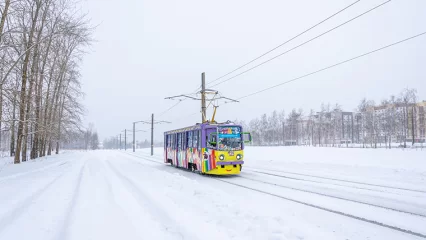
<point x="122" y="195"/>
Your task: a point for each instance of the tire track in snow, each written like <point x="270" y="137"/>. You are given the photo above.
<point x="146" y="159"/>
<point x="15" y="213"/>
<point x="334" y="179"/>
<point x="111" y="192"/>
<point x="142" y="198"/>
<point x="62" y="233"/>
<point x="331" y="196"/>
<point x="327" y="209"/>
<point x="41" y="169"/>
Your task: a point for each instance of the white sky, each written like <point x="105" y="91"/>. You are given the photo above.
<point x="149" y="50"/>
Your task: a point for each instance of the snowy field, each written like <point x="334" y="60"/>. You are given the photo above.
<point x="282" y="193"/>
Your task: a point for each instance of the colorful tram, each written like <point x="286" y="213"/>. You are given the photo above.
<point x="207" y="148"/>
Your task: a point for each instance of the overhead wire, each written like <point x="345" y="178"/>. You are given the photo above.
<point x="334" y="65"/>
<point x="306" y="75"/>
<point x="287" y="41"/>
<point x="304" y="43"/>
<point x="170" y="108"/>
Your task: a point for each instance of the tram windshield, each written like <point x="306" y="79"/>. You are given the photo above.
<point x="229" y="138"/>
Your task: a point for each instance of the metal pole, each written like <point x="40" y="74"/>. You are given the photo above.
<point x="203" y="97"/>
<point x="352" y="128"/>
<point x="134" y="137"/>
<point x="152" y="134"/>
<point x="343" y="126"/>
<point x="125" y="139"/>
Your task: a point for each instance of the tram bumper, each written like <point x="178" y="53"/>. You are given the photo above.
<point x="227" y="168"/>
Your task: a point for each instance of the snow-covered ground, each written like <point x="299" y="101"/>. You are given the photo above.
<point x="282" y="193"/>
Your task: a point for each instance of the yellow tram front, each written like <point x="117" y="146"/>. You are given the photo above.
<point x="224" y="152"/>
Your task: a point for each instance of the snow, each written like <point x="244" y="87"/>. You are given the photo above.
<point x="282" y="193"/>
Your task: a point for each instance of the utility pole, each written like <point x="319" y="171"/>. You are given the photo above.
<point x="204" y="92"/>
<point x="125" y="139"/>
<point x="152" y="131"/>
<point x="152" y="134"/>
<point x="352" y="128"/>
<point x="134" y="133"/>
<point x="120" y="141"/>
<point x="283" y="133"/>
<point x="203" y="97"/>
<point x="134" y="137"/>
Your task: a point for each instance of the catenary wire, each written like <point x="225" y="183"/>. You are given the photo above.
<point x="287" y="41"/>
<point x="282" y="44"/>
<point x="300" y="45"/>
<point x="334" y="65"/>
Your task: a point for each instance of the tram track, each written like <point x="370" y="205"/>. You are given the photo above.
<point x="335" y="197"/>
<point x="393" y="191"/>
<point x="327" y="178"/>
<point x="381" y="224"/>
<point x="320" y="182"/>
<point x="305" y="203"/>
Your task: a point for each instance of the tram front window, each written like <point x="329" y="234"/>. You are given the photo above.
<point x="230" y="144"/>
<point x="229" y="138"/>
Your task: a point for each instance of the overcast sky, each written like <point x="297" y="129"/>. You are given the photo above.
<point x="149" y="50"/>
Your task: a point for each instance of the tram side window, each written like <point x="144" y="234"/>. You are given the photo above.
<point x="189" y="139"/>
<point x="195" y="141"/>
<point x="178" y="141"/>
<point x="200" y="145"/>
<point x="184" y="140"/>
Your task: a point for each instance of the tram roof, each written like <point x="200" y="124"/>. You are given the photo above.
<point x="198" y="126"/>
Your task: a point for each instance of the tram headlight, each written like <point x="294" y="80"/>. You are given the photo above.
<point x="221" y="157"/>
<point x="239" y="156"/>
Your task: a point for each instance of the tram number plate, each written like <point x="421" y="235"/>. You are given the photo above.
<point x="231" y="153"/>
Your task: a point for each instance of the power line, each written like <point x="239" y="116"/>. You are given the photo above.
<point x="310" y="40"/>
<point x="192" y="114"/>
<point x="334" y="65"/>
<point x="289" y="40"/>
<point x="170" y="108"/>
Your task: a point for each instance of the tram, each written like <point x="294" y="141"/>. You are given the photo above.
<point x="207" y="148"/>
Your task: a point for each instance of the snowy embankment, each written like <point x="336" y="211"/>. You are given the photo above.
<point x="283" y="193"/>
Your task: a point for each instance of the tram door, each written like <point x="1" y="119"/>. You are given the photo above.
<point x="209" y="135"/>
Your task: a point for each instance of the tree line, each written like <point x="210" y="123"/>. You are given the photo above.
<point x="115" y="143"/>
<point x="397" y="120"/>
<point x="82" y="140"/>
<point x="41" y="47"/>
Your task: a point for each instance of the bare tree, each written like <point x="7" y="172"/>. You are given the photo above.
<point x="41" y="46"/>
